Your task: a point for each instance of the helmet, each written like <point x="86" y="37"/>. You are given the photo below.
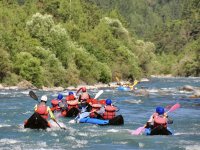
<point x="160" y="110"/>
<point x="60" y="96"/>
<point x="44" y="98"/>
<point x="83" y="89"/>
<point x="108" y="102"/>
<point x="71" y="93"/>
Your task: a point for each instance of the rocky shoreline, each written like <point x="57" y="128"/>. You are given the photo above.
<point x="25" y="85"/>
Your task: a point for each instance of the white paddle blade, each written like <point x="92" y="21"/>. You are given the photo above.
<point x="98" y="94"/>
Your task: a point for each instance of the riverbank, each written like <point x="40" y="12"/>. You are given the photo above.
<point x="24" y="85"/>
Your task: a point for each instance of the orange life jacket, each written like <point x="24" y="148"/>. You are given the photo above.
<point x="55" y="106"/>
<point x="70" y="97"/>
<point x="72" y="103"/>
<point x="95" y="107"/>
<point x="159" y="120"/>
<point x="42" y="110"/>
<point x="110" y="112"/>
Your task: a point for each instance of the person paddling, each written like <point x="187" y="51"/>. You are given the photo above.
<point x="71" y="101"/>
<point x="43" y="110"/>
<point x="83" y="98"/>
<point x="108" y="111"/>
<point x="56" y="103"/>
<point x="158" y="119"/>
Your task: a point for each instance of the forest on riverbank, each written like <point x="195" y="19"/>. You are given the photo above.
<point x="68" y="42"/>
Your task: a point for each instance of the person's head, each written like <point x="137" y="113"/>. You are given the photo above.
<point x="83" y="89"/>
<point x="160" y="110"/>
<point x="60" y="96"/>
<point x="44" y="98"/>
<point x="108" y="102"/>
<point x="71" y="93"/>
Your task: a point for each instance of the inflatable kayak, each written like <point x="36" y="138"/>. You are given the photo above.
<point x="118" y="120"/>
<point x="36" y="122"/>
<point x="160" y="130"/>
<point x="122" y="88"/>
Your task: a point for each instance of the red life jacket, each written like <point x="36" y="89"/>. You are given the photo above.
<point x="110" y="112"/>
<point x="72" y="103"/>
<point x="42" y="110"/>
<point x="159" y="120"/>
<point x="55" y="106"/>
<point x="70" y="97"/>
<point x="95" y="107"/>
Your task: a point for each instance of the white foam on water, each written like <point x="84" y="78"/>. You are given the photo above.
<point x="153" y="90"/>
<point x="4" y="125"/>
<point x="42" y="144"/>
<point x="141" y="145"/>
<point x="113" y="130"/>
<point x="134" y="101"/>
<point x="8" y="141"/>
<point x="192" y="147"/>
<point x="122" y="142"/>
<point x="25" y="92"/>
<point x="80" y="143"/>
<point x="53" y="134"/>
<point x="186" y="133"/>
<point x="83" y="134"/>
<point x="27" y="112"/>
<point x="69" y="138"/>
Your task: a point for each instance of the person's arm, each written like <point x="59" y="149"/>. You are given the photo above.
<point x="149" y="123"/>
<point x="35" y="107"/>
<point x="51" y="114"/>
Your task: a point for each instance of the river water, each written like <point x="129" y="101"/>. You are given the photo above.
<point x="16" y="106"/>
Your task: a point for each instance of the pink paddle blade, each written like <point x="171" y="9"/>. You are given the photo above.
<point x="174" y="107"/>
<point x="138" y="131"/>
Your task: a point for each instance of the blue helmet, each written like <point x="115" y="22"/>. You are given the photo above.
<point x="108" y="102"/>
<point x="71" y="93"/>
<point x="60" y="96"/>
<point x="160" y="110"/>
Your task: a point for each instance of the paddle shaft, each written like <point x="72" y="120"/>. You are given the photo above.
<point x="34" y="96"/>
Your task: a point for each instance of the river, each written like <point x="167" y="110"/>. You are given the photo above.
<point x="16" y="106"/>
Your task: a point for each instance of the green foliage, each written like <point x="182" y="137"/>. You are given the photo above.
<point x="5" y="64"/>
<point x="28" y="67"/>
<point x="188" y="65"/>
<point x="65" y="42"/>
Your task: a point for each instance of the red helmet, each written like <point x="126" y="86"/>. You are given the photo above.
<point x="83" y="89"/>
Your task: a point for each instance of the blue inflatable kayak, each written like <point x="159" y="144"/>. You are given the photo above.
<point x="122" y="88"/>
<point x="158" y="131"/>
<point x="118" y="120"/>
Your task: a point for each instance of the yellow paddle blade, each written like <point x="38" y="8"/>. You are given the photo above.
<point x="117" y="79"/>
<point x="135" y="83"/>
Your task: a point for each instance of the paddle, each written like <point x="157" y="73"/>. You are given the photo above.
<point x="134" y="84"/>
<point x="98" y="94"/>
<point x="84" y="114"/>
<point x="59" y="124"/>
<point x="141" y="129"/>
<point x="34" y="96"/>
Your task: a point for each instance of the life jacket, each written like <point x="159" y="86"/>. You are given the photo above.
<point x="110" y="112"/>
<point x="72" y="103"/>
<point x="70" y="97"/>
<point x="84" y="96"/>
<point x="92" y="101"/>
<point x="42" y="110"/>
<point x="55" y="106"/>
<point x="159" y="120"/>
<point x="95" y="107"/>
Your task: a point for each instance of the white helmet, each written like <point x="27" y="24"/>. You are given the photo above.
<point x="44" y="98"/>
